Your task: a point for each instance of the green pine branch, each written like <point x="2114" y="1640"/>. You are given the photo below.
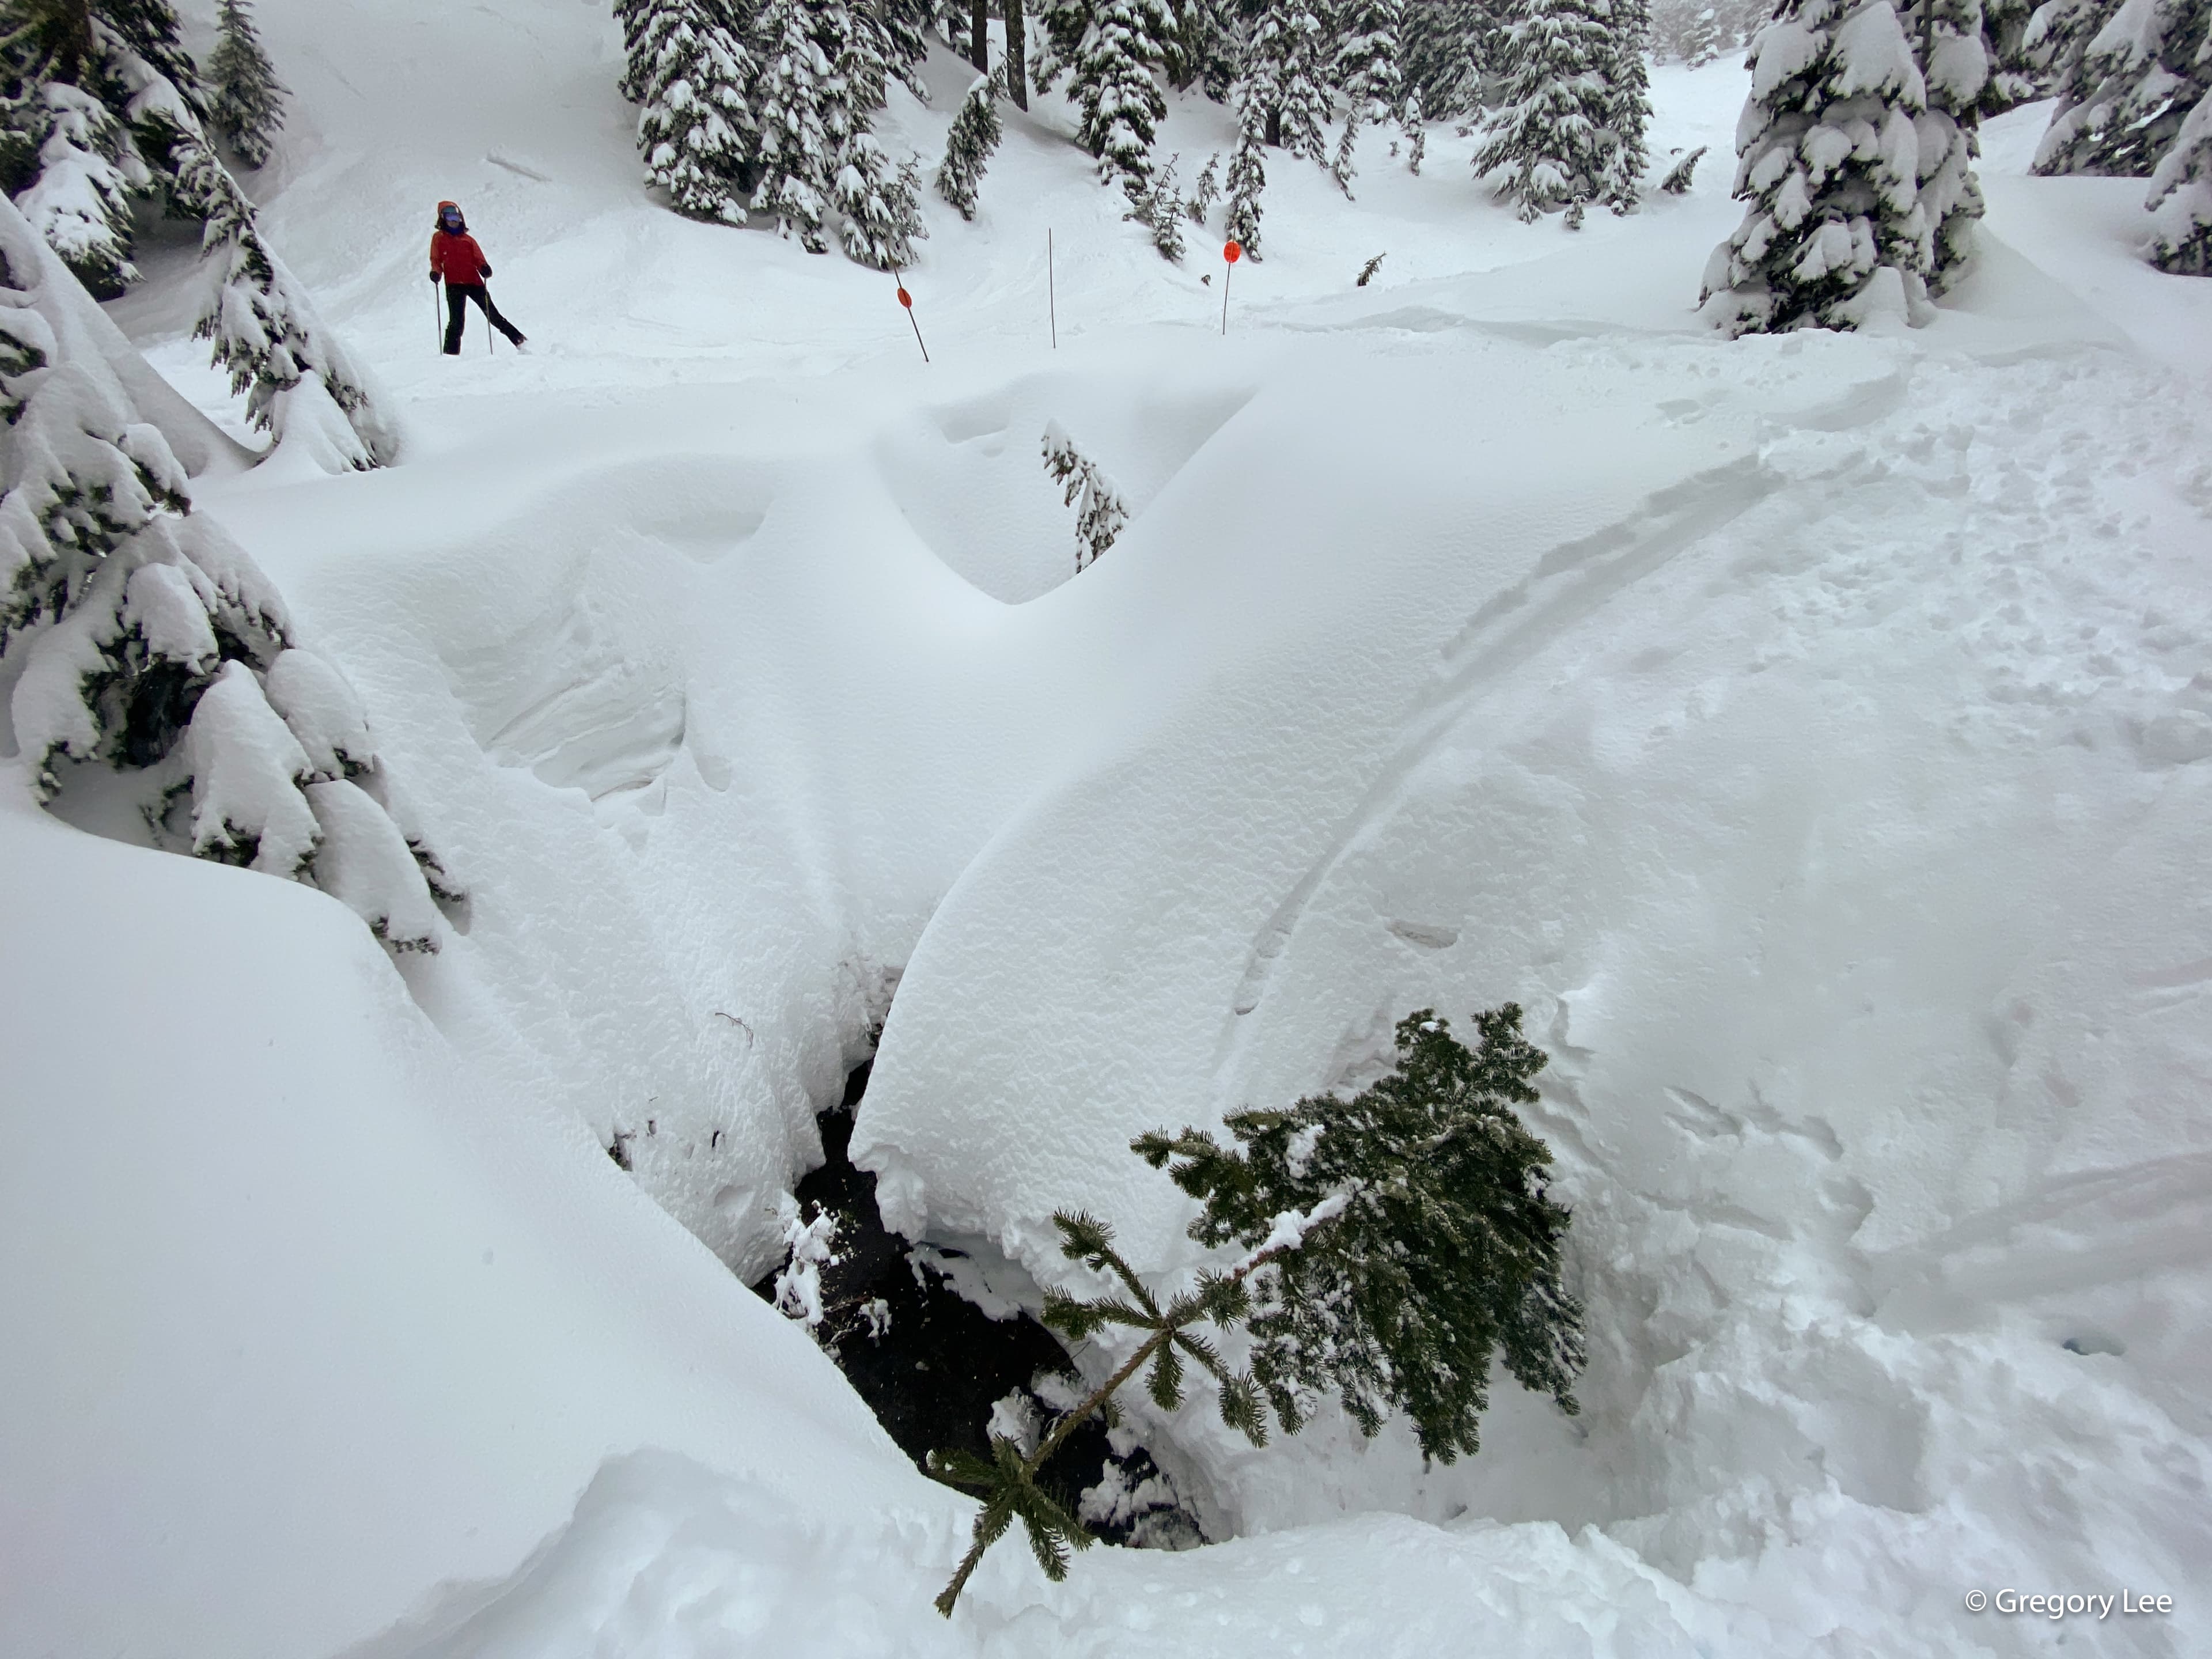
<point x="1392" y="1244"/>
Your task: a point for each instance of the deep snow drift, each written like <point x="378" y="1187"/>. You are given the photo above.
<point x="1815" y="735"/>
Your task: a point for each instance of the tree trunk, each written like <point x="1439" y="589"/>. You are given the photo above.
<point x="1275" y="127"/>
<point x="1017" y="74"/>
<point x="979" y="36"/>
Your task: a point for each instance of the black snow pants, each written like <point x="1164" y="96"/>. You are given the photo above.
<point x="458" y="296"/>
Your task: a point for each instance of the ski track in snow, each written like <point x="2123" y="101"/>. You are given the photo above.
<point x="1818" y="752"/>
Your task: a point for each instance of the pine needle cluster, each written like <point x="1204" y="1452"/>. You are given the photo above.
<point x="1392" y="1243"/>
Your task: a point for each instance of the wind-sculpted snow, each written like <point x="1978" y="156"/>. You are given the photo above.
<point x="1812" y="733"/>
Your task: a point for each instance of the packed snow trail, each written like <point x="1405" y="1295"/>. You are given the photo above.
<point x="1813" y="733"/>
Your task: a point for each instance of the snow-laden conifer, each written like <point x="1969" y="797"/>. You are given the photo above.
<point x="1288" y="66"/>
<point x="1247" y="168"/>
<point x="1953" y="49"/>
<point x="1161" y="211"/>
<point x="2125" y="97"/>
<point x="2181" y="199"/>
<point x="1058" y="42"/>
<point x="1417" y="133"/>
<point x="1366" y="73"/>
<point x="1549" y="144"/>
<point x="794" y="95"/>
<point x="1827" y="165"/>
<point x="247" y="105"/>
<point x="1101" y="509"/>
<point x="2013" y="80"/>
<point x="695" y="132"/>
<point x="118" y="108"/>
<point x="2058" y="32"/>
<point x="1391" y="1246"/>
<point x="1205" y="190"/>
<point x="968" y="147"/>
<point x="1628" y="104"/>
<point x="143" y="642"/>
<point x="879" y="206"/>
<point x="1449" y="48"/>
<point x="1117" y="91"/>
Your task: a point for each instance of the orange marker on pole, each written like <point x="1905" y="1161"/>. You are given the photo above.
<point x="906" y="299"/>
<point x="1233" y="252"/>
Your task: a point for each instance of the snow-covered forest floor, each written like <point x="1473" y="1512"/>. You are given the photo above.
<point x="1813" y="733"/>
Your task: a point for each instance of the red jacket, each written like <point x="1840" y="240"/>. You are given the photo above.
<point x="458" y="258"/>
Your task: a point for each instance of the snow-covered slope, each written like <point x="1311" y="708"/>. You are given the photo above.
<point x="1813" y="734"/>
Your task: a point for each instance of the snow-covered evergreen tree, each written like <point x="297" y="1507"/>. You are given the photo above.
<point x="1951" y="47"/>
<point x="2125" y="97"/>
<point x="695" y="133"/>
<point x="1101" y="509"/>
<point x="1628" y="103"/>
<point x="2058" y="32"/>
<point x="116" y="112"/>
<point x="1392" y="1246"/>
<point x="1366" y="73"/>
<point x="968" y="147"/>
<point x="1417" y="134"/>
<point x="1247" y="168"/>
<point x="1058" y="42"/>
<point x="2012" y="78"/>
<point x="1449" y="48"/>
<point x="144" y="642"/>
<point x="1288" y="66"/>
<point x="880" y="207"/>
<point x="1160" y="211"/>
<point x="1549" y="145"/>
<point x="795" y="93"/>
<point x="1204" y="190"/>
<point x="1117" y="89"/>
<point x="248" y="103"/>
<point x="1827" y="164"/>
<point x="2180" y="200"/>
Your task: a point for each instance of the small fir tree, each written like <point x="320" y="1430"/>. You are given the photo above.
<point x="1367" y="72"/>
<point x="695" y="133"/>
<point x="2180" y="200"/>
<point x="2125" y="97"/>
<point x="1101" y="509"/>
<point x="1160" y="211"/>
<point x="248" y="103"/>
<point x="1417" y="134"/>
<point x="880" y="208"/>
<point x="1677" y="181"/>
<point x="968" y="147"/>
<point x="1548" y="146"/>
<point x="1391" y="1245"/>
<point x="1827" y="165"/>
<point x="1204" y="190"/>
<point x="1117" y="91"/>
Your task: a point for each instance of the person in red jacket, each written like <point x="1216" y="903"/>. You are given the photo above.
<point x="457" y="260"/>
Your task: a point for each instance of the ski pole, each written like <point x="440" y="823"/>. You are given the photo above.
<point x="1051" y="291"/>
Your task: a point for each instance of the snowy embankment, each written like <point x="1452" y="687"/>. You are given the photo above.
<point x="1814" y="734"/>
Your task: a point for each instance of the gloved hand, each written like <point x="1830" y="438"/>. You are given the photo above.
<point x="434" y="276"/>
<point x="487" y="271"/>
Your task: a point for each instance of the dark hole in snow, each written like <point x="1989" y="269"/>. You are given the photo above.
<point x="933" y="1366"/>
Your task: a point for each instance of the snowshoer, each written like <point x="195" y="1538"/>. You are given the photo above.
<point x="457" y="260"/>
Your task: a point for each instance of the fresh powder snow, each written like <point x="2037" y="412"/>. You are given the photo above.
<point x="1813" y="732"/>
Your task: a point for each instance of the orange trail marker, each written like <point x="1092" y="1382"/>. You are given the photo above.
<point x="1231" y="252"/>
<point x="907" y="301"/>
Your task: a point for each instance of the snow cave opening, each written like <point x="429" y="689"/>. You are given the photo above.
<point x="942" y="1370"/>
